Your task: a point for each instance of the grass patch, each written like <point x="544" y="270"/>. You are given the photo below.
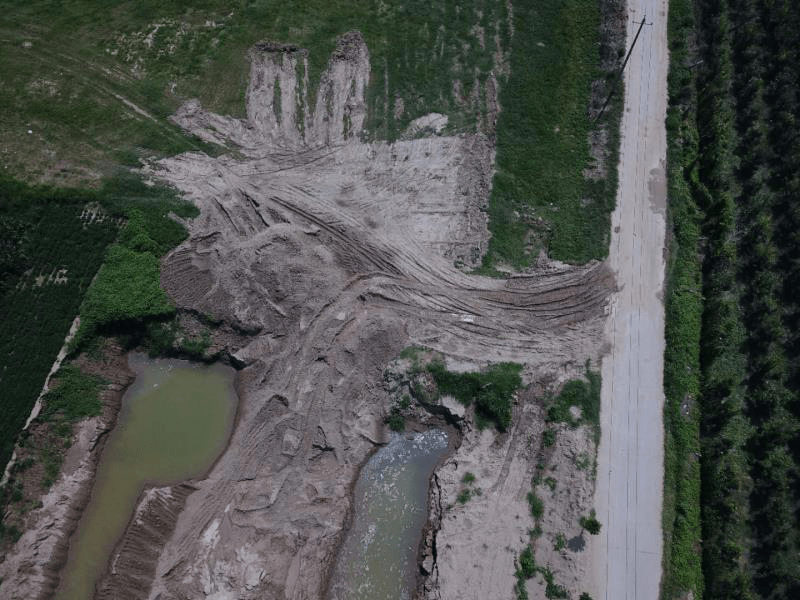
<point x="491" y="390"/>
<point x="583" y="394"/>
<point x="540" y="197"/>
<point x="560" y="543"/>
<point x="76" y="395"/>
<point x="536" y="505"/>
<point x="590" y="523"/>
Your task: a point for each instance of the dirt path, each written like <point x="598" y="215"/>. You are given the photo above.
<point x="630" y="460"/>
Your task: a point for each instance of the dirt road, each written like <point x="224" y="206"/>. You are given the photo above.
<point x="630" y="459"/>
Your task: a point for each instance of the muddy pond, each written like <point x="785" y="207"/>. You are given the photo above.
<point x="378" y="560"/>
<point x="174" y="422"/>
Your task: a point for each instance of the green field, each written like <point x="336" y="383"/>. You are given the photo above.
<point x="71" y="70"/>
<point x="540" y="196"/>
<point x="731" y="367"/>
<point x="93" y="83"/>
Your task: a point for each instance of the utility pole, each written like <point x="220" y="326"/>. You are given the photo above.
<point x="622" y="68"/>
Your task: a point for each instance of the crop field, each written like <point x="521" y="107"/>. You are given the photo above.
<point x="52" y="248"/>
<point x="53" y="243"/>
<point x="736" y="178"/>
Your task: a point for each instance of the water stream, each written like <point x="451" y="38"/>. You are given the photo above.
<point x="378" y="558"/>
<point x="174" y="422"/>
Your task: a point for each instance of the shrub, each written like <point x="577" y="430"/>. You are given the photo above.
<point x="396" y="422"/>
<point x="492" y="390"/>
<point x="464" y="496"/>
<point x="590" y="523"/>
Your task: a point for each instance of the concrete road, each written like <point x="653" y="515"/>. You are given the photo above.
<point x="627" y="553"/>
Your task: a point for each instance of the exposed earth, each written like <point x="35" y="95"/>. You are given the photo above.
<point x="321" y="257"/>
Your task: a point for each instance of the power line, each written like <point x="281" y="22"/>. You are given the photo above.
<point x="622" y="68"/>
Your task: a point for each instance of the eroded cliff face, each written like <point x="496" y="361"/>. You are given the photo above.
<point x="326" y="256"/>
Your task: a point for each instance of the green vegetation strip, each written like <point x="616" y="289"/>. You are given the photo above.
<point x="540" y="196"/>
<point x="583" y="394"/>
<point x="683" y="308"/>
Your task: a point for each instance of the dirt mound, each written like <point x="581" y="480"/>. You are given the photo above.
<point x="330" y="255"/>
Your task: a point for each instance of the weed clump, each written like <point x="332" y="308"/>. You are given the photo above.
<point x="590" y="523"/>
<point x="492" y="390"/>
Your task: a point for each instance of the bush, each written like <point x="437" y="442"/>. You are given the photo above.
<point x="590" y="523"/>
<point x="492" y="390"/>
<point x="126" y="289"/>
<point x="396" y="422"/>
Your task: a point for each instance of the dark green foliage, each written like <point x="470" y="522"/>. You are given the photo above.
<point x="590" y="523"/>
<point x="396" y="421"/>
<point x="126" y="289"/>
<point x="527" y="563"/>
<point x="50" y="235"/>
<point x="492" y="390"/>
<point x="468" y="478"/>
<point x="585" y="596"/>
<point x="748" y="157"/>
<point x="464" y="496"/>
<point x="75" y="396"/>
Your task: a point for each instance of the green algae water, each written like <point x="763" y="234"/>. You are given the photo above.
<point x="378" y="560"/>
<point x="174" y="422"/>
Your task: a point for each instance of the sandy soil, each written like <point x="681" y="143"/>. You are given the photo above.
<point x="627" y="554"/>
<point x="326" y="256"/>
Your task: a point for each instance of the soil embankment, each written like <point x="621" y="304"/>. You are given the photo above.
<point x="31" y="568"/>
<point x="174" y="422"/>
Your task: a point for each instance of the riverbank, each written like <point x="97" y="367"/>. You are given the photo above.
<point x="175" y="420"/>
<point x="32" y="565"/>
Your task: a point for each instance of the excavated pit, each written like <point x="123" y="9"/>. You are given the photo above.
<point x="328" y="256"/>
